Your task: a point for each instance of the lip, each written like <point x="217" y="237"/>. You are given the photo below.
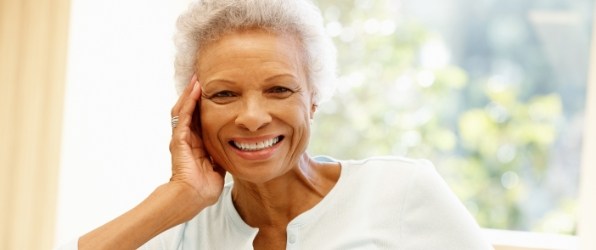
<point x="258" y="155"/>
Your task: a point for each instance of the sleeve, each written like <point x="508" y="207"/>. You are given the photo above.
<point x="72" y="245"/>
<point x="169" y="239"/>
<point x="434" y="218"/>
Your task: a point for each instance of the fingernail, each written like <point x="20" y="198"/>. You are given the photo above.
<point x="192" y="80"/>
<point x="196" y="85"/>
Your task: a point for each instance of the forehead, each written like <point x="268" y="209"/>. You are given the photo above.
<point x="251" y="49"/>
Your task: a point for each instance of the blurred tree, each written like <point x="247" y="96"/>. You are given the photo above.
<point x="402" y="91"/>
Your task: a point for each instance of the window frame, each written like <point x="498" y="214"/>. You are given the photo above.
<point x="519" y="240"/>
<point x="587" y="205"/>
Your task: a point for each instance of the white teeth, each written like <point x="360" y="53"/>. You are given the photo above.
<point x="256" y="145"/>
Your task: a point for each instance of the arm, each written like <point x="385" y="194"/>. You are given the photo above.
<point x="434" y="218"/>
<point x="195" y="184"/>
<point x="167" y="206"/>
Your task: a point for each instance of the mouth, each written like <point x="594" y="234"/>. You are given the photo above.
<point x="256" y="146"/>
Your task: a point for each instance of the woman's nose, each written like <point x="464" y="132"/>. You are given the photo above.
<point x="254" y="114"/>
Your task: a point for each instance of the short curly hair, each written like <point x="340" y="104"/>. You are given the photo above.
<point x="207" y="20"/>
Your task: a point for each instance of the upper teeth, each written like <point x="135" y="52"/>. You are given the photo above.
<point x="254" y="146"/>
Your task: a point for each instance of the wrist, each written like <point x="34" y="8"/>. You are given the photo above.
<point x="182" y="200"/>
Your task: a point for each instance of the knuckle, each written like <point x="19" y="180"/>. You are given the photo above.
<point x="178" y="139"/>
<point x="175" y="142"/>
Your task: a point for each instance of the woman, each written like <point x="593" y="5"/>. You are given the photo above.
<point x="255" y="71"/>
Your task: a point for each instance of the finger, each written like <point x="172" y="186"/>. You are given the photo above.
<point x="182" y="135"/>
<point x="182" y="97"/>
<point x="180" y="101"/>
<point x="188" y="107"/>
<point x="185" y="142"/>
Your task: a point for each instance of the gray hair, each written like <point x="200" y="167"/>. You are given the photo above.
<point x="207" y="20"/>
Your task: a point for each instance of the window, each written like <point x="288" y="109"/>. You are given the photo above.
<point x="492" y="92"/>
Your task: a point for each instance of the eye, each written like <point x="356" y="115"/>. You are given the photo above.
<point x="223" y="97"/>
<point x="223" y="94"/>
<point x="279" y="90"/>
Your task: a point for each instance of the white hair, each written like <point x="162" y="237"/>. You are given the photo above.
<point x="207" y="20"/>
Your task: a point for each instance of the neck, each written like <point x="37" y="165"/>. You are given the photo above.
<point x="276" y="202"/>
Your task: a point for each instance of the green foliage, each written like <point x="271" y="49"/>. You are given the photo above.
<point x="490" y="144"/>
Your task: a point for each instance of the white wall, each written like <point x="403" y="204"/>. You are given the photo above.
<point x="116" y="122"/>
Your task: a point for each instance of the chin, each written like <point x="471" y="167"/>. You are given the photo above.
<point x="257" y="175"/>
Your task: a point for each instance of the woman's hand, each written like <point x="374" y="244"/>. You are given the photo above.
<point x="195" y="184"/>
<point x="191" y="165"/>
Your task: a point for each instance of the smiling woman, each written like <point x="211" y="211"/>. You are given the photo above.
<point x="252" y="74"/>
<point x="255" y="80"/>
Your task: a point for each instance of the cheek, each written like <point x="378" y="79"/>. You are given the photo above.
<point x="296" y="113"/>
<point x="210" y="125"/>
<point x="211" y="115"/>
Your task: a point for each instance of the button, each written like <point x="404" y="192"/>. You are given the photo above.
<point x="292" y="238"/>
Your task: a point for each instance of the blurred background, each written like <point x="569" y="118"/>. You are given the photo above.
<point x="493" y="92"/>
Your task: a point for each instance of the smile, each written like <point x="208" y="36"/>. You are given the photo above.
<point x="256" y="146"/>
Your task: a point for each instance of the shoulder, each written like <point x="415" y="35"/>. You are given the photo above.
<point x="390" y="179"/>
<point x="390" y="168"/>
<point x="417" y="178"/>
<point x="384" y="174"/>
<point x="389" y="163"/>
<point x="426" y="205"/>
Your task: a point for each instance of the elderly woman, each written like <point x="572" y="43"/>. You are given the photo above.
<point x="255" y="72"/>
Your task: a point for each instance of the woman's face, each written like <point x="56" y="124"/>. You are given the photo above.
<point x="256" y="105"/>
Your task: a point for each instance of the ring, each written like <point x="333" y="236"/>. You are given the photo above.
<point x="174" y="121"/>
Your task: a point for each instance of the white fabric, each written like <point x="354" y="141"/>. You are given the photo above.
<point x="378" y="203"/>
<point x="71" y="245"/>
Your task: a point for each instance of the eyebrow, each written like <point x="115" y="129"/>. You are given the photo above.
<point x="279" y="76"/>
<point x="218" y="80"/>
<point x="268" y="79"/>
